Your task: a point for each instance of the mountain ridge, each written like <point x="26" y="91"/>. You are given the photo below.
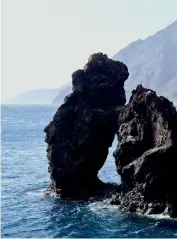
<point x="151" y="62"/>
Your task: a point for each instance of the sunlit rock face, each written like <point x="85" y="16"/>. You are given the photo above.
<point x="84" y="127"/>
<point x="146" y="156"/>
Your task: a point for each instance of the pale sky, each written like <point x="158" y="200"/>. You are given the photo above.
<point x="44" y="41"/>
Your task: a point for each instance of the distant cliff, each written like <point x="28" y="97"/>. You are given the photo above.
<point x="152" y="62"/>
<point x="63" y="92"/>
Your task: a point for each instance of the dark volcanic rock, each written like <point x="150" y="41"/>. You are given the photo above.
<point x="83" y="128"/>
<point x="146" y="156"/>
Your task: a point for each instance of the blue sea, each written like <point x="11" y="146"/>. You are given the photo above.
<point x="27" y="212"/>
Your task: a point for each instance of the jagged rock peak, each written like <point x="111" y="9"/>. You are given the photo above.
<point x="146" y="156"/>
<point x="99" y="70"/>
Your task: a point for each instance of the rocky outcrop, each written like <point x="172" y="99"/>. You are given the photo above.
<point x="146" y="157"/>
<point x="84" y="127"/>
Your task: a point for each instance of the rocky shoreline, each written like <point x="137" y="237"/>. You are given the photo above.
<point x="83" y="129"/>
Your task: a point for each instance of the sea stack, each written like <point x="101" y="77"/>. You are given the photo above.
<point x="83" y="128"/>
<point x="146" y="156"/>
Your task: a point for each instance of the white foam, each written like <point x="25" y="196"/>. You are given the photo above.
<point x="41" y="193"/>
<point x="156" y="216"/>
<point x="45" y="192"/>
<point x="101" y="206"/>
<point x="159" y="216"/>
<point x="34" y="194"/>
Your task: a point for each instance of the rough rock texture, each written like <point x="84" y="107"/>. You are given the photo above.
<point x="83" y="128"/>
<point x="146" y="156"/>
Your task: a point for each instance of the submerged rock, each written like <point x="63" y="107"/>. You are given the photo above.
<point x="146" y="156"/>
<point x="84" y="127"/>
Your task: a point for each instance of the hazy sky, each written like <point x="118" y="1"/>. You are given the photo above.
<point x="44" y="41"/>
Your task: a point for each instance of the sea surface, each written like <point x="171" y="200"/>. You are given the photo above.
<point x="27" y="212"/>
